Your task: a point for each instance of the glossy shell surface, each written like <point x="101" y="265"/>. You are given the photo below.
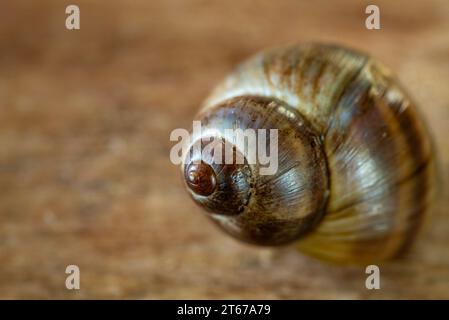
<point x="377" y="149"/>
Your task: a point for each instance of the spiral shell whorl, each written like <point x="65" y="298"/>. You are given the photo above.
<point x="270" y="209"/>
<point x="377" y="149"/>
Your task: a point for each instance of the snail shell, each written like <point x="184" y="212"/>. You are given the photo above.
<point x="355" y="171"/>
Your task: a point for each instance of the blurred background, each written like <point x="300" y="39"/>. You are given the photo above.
<point x="85" y="118"/>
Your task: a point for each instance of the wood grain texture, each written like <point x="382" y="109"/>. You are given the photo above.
<point x="85" y="118"/>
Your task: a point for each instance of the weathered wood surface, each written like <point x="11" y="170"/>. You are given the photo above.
<point x="85" y="118"/>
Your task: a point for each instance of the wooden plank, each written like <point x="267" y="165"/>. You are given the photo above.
<point x="85" y="118"/>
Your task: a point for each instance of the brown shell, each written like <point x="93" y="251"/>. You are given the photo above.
<point x="378" y="150"/>
<point x="272" y="209"/>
